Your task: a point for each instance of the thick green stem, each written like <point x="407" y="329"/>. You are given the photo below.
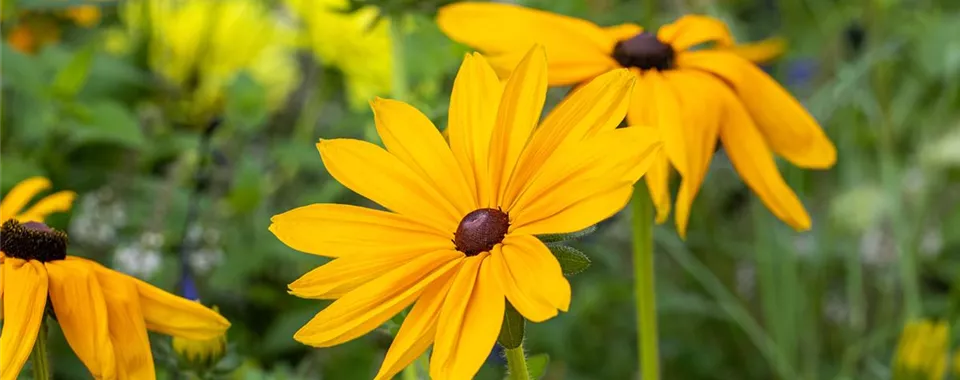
<point x="400" y="85"/>
<point x="40" y="357"/>
<point x="643" y="275"/>
<point x="517" y="364"/>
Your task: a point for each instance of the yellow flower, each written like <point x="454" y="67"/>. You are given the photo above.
<point x="35" y="30"/>
<point x="85" y="16"/>
<point x="352" y="43"/>
<point x="202" y="353"/>
<point x="202" y="46"/>
<point x="460" y="234"/>
<point x="922" y="351"/>
<point x="104" y="314"/>
<point x="692" y="95"/>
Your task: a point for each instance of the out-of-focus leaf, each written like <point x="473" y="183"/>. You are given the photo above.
<point x="511" y="332"/>
<point x="16" y="169"/>
<point x="558" y="238"/>
<point x="107" y="122"/>
<point x="71" y="78"/>
<point x="40" y="5"/>
<point x="247" y="189"/>
<point x="857" y="209"/>
<point x="21" y="72"/>
<point x="537" y="365"/>
<point x="279" y="337"/>
<point x="246" y="103"/>
<point x="944" y="152"/>
<point x="572" y="261"/>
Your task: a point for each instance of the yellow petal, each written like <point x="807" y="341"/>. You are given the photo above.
<point x="582" y="214"/>
<point x="598" y="106"/>
<point x="395" y="186"/>
<point x="81" y="311"/>
<point x="418" y="328"/>
<point x="658" y="184"/>
<point x="576" y="49"/>
<point x="519" y="112"/>
<point x="582" y="171"/>
<point x="783" y="122"/>
<point x="531" y="276"/>
<point x="128" y="333"/>
<point x="23" y="192"/>
<point x="692" y="30"/>
<point x="473" y="111"/>
<point x="336" y="278"/>
<point x="761" y="51"/>
<point x="701" y="123"/>
<point x="623" y="31"/>
<point x="370" y="305"/>
<point x="335" y="230"/>
<point x="470" y="321"/>
<point x="23" y="307"/>
<point x="754" y="162"/>
<point x="56" y="202"/>
<point x="413" y="139"/>
<point x="656" y="103"/>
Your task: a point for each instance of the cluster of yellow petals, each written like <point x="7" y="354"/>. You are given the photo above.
<point x="922" y="351"/>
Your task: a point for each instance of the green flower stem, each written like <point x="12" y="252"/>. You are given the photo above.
<point x="400" y="86"/>
<point x="644" y="277"/>
<point x="412" y="372"/>
<point x="517" y="364"/>
<point x="40" y="357"/>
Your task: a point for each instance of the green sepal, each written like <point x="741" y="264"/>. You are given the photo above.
<point x="559" y="238"/>
<point x="511" y="333"/>
<point x="572" y="261"/>
<point x="537" y="365"/>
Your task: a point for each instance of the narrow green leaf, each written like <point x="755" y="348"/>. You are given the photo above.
<point x="572" y="261"/>
<point x="559" y="238"/>
<point x="511" y="333"/>
<point x="107" y="122"/>
<point x="70" y="79"/>
<point x="537" y="365"/>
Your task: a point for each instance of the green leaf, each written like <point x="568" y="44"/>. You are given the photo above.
<point x="537" y="365"/>
<point x="511" y="333"/>
<point x="22" y="72"/>
<point x="107" y="122"/>
<point x="572" y="261"/>
<point x="559" y="238"/>
<point x="71" y="78"/>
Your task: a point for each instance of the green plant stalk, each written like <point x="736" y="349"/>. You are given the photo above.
<point x="401" y="88"/>
<point x="40" y="357"/>
<point x="768" y="285"/>
<point x="412" y="372"/>
<point x="516" y="364"/>
<point x="643" y="274"/>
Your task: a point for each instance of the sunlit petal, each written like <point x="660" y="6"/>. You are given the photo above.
<point x="23" y="307"/>
<point x="17" y="198"/>
<point x="692" y="30"/>
<point x="78" y="302"/>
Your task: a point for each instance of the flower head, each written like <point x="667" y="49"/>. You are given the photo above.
<point x="692" y="94"/>
<point x="356" y="43"/>
<point x="104" y="314"/>
<point x="459" y="239"/>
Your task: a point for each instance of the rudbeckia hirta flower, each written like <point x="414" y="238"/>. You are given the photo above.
<point x="104" y="314"/>
<point x="459" y="237"/>
<point x="693" y="84"/>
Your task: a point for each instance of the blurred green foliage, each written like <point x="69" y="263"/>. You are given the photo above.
<point x="744" y="297"/>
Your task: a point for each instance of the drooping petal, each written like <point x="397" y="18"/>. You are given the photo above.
<point x="418" y="329"/>
<point x="411" y="137"/>
<point x="596" y="107"/>
<point x="623" y="31"/>
<point x="470" y="321"/>
<point x="372" y="304"/>
<point x="581" y="171"/>
<point x="23" y="192"/>
<point x="519" y="112"/>
<point x="760" y="51"/>
<point x="78" y="302"/>
<point x="656" y="103"/>
<point x="395" y="186"/>
<point x="473" y="111"/>
<point x="128" y="333"/>
<point x="691" y="30"/>
<point x="754" y="162"/>
<point x="702" y="114"/>
<point x="576" y="49"/>
<point x="56" y="202"/>
<point x="783" y="122"/>
<point x="658" y="184"/>
<point x="23" y="306"/>
<point x="334" y="279"/>
<point x="335" y="230"/>
<point x="530" y="275"/>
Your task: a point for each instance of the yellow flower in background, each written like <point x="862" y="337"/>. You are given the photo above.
<point x="692" y="95"/>
<point x="922" y="351"/>
<point x="86" y="16"/>
<point x="202" y="353"/>
<point x="459" y="238"/>
<point x="35" y="30"/>
<point x="104" y="314"/>
<point x="201" y="46"/>
<point x="13" y="204"/>
<point x="355" y="43"/>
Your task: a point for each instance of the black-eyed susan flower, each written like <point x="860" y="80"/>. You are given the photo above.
<point x="693" y="84"/>
<point x="922" y="351"/>
<point x="459" y="236"/>
<point x="104" y="314"/>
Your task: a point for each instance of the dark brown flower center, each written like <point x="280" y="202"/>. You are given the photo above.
<point x="32" y="241"/>
<point x="480" y="230"/>
<point x="644" y="51"/>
